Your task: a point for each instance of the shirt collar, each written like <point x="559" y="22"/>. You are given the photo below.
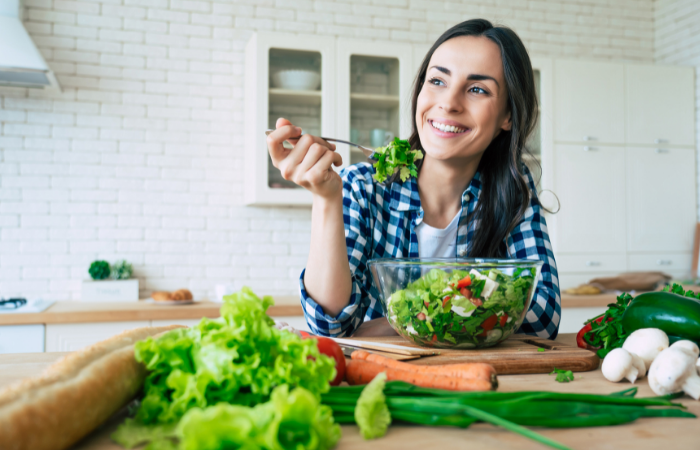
<point x="404" y="196"/>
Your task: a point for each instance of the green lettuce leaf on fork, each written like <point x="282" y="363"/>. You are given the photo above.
<point x="396" y="156"/>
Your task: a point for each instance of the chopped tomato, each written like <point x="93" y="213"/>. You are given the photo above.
<point x="426" y="303"/>
<point x="464" y="282"/>
<point x="476" y="302"/>
<point x="434" y="338"/>
<point x="466" y="292"/>
<point x="445" y="300"/>
<point x="420" y="316"/>
<point x="504" y="319"/>
<point x="489" y="323"/>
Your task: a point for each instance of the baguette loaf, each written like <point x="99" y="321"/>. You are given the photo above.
<point x="73" y="396"/>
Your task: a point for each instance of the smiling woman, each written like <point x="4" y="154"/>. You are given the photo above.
<point x="474" y="105"/>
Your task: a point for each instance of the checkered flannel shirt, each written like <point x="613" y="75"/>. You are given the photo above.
<point x="380" y="223"/>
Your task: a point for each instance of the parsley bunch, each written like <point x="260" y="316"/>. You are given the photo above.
<point x="606" y="329"/>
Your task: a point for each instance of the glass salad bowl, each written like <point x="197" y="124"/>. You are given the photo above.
<point x="455" y="303"/>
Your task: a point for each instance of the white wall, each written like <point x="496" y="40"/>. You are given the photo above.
<point x="141" y="156"/>
<point x="677" y="41"/>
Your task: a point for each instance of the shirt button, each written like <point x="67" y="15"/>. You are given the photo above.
<point x="466" y="197"/>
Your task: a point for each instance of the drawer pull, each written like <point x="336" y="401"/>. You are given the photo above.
<point x="664" y="262"/>
<point x="592" y="263"/>
<point x="590" y="138"/>
<point x="661" y="150"/>
<point x="660" y="141"/>
<point x="589" y="149"/>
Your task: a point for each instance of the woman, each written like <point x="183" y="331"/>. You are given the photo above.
<point x="474" y="105"/>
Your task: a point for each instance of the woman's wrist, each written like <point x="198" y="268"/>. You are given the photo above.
<point x="329" y="203"/>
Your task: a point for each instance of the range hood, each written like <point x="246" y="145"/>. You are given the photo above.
<point x="21" y="64"/>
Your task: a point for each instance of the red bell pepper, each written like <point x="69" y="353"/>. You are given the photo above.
<point x="586" y="328"/>
<point x="464" y="282"/>
<point x="504" y="319"/>
<point x="445" y="300"/>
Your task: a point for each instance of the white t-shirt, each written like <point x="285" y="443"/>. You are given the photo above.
<point x="437" y="243"/>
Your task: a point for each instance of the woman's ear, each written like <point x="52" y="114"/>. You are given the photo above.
<point x="507" y="123"/>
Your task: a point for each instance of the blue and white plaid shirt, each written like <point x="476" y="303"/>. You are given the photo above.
<point x="380" y="223"/>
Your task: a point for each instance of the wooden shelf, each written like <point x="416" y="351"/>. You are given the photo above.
<point x="288" y="96"/>
<point x="374" y="101"/>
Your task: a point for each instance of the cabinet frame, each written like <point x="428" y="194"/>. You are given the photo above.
<point x="257" y="103"/>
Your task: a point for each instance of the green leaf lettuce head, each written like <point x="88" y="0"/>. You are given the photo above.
<point x="238" y="358"/>
<point x="289" y="420"/>
<point x="396" y="156"/>
<point x="371" y="412"/>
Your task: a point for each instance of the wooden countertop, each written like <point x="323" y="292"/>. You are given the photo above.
<point x="85" y="312"/>
<point x="651" y="433"/>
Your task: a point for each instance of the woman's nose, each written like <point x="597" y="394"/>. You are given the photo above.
<point x="450" y="101"/>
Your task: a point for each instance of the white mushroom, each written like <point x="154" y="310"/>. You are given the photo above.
<point x="620" y="363"/>
<point x="691" y="346"/>
<point x="646" y="343"/>
<point x="674" y="371"/>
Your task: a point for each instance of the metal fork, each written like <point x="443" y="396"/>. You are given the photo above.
<point x="368" y="152"/>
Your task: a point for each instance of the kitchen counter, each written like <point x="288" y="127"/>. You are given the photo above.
<point x="91" y="312"/>
<point x="285" y="305"/>
<point x="650" y="433"/>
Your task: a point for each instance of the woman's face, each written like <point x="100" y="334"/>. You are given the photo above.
<point x="462" y="105"/>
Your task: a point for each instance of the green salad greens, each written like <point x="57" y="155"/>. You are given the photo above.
<point x="237" y="369"/>
<point x="461" y="309"/>
<point x="396" y="156"/>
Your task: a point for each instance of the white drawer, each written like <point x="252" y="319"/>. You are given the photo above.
<point x="591" y="263"/>
<point x="572" y="319"/>
<point x="663" y="262"/>
<point x="165" y="323"/>
<point x="68" y="337"/>
<point x="22" y="338"/>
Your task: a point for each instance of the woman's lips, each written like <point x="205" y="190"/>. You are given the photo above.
<point x="447" y="130"/>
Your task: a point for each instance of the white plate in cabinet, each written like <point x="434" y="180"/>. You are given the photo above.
<point x="660" y="105"/>
<point x="662" y="262"/>
<point x="661" y="207"/>
<point x="589" y="182"/>
<point x="68" y="337"/>
<point x="591" y="263"/>
<point x="22" y="338"/>
<point x="589" y="102"/>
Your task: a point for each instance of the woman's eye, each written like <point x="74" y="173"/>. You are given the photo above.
<point x="436" y="82"/>
<point x="478" y="90"/>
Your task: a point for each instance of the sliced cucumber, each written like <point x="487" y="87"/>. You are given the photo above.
<point x="493" y="335"/>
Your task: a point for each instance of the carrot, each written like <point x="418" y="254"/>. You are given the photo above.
<point x="362" y="372"/>
<point x="466" y="370"/>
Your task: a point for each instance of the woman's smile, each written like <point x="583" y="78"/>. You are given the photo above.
<point x="447" y="128"/>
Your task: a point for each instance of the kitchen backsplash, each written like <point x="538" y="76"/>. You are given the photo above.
<point x="141" y="156"/>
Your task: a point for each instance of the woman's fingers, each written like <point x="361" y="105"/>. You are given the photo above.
<point x="323" y="169"/>
<point x="275" y="142"/>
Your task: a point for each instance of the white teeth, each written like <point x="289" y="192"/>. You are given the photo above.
<point x="447" y="128"/>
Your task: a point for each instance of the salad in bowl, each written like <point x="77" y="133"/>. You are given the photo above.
<point x="455" y="303"/>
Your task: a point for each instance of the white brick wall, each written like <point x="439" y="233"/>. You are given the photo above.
<point x="141" y="156"/>
<point x="677" y="41"/>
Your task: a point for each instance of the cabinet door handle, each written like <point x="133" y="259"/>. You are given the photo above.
<point x="589" y="148"/>
<point x="592" y="263"/>
<point x="660" y="141"/>
<point x="589" y="138"/>
<point x="664" y="262"/>
<point x="661" y="150"/>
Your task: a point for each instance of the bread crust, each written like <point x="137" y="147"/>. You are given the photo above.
<point x="73" y="396"/>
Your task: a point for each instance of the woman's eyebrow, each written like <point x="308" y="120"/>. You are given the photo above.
<point x="474" y="76"/>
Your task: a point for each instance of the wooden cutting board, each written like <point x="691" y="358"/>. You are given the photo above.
<point x="516" y="355"/>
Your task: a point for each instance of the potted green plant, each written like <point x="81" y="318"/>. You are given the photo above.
<point x="110" y="282"/>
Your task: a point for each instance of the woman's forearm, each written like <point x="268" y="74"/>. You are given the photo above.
<point x="327" y="278"/>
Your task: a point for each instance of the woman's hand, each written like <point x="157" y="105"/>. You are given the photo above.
<point x="309" y="164"/>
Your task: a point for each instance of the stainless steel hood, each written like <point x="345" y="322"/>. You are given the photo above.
<point x="21" y="63"/>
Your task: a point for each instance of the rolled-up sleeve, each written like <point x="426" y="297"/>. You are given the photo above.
<point x="357" y="234"/>
<point x="530" y="240"/>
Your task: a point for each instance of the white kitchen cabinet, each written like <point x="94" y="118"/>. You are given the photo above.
<point x="165" y="323"/>
<point x="660" y="105"/>
<point x="372" y="92"/>
<point x="592" y="263"/>
<point x="590" y="184"/>
<point x="312" y="109"/>
<point x="68" y="337"/>
<point x="589" y="102"/>
<point x="22" y="338"/>
<point x="661" y="205"/>
<point x="675" y="264"/>
<point x="572" y="319"/>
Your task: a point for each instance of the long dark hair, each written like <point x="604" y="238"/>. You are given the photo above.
<point x="505" y="194"/>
